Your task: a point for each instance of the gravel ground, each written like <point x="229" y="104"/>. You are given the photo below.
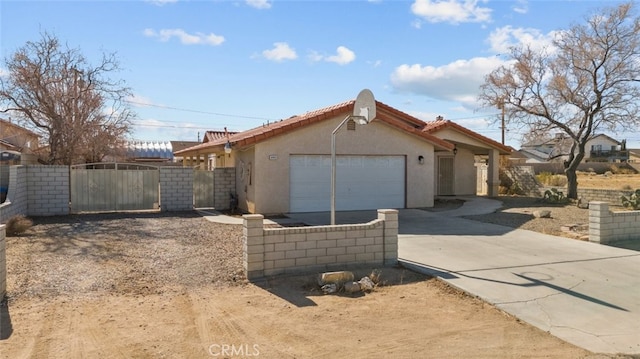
<point x="131" y="254"/>
<point x="156" y="253"/>
<point x="566" y="220"/>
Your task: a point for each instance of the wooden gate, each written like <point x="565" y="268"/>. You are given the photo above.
<point x="112" y="187"/>
<point x="203" y="189"/>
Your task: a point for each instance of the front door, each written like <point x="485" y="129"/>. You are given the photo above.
<point x="445" y="176"/>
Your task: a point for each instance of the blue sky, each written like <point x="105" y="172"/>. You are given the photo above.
<point x="205" y="65"/>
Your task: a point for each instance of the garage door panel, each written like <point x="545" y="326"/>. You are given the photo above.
<point x="362" y="182"/>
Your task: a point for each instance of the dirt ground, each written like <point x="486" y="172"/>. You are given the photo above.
<point x="170" y="286"/>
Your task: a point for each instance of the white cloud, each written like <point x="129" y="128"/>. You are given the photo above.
<point x="4" y="72"/>
<point x="376" y="63"/>
<point x="185" y="38"/>
<point x="502" y="39"/>
<point x="521" y="6"/>
<point x="280" y="52"/>
<point x="259" y="4"/>
<point x="161" y="2"/>
<point x="457" y="81"/>
<point x="451" y="11"/>
<point x="343" y="56"/>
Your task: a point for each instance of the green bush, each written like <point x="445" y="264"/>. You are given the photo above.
<point x="633" y="201"/>
<point x="554" y="196"/>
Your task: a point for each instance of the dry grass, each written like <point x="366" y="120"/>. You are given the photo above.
<point x="627" y="182"/>
<point x="17" y="225"/>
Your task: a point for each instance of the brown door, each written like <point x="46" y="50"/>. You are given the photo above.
<point x="445" y="176"/>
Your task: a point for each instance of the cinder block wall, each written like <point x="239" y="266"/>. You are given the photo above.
<point x="225" y="184"/>
<point x="606" y="226"/>
<point x="603" y="195"/>
<point x="16" y="202"/>
<point x="176" y="188"/>
<point x="3" y="263"/>
<point x="47" y="190"/>
<point x="273" y="251"/>
<point x="611" y="196"/>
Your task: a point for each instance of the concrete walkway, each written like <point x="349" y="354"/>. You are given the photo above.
<point x="584" y="293"/>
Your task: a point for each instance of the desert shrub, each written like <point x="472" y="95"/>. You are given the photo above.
<point x="544" y="177"/>
<point x="633" y="201"/>
<point x="17" y="225"/>
<point x="554" y="196"/>
<point x="627" y="187"/>
<point x="625" y="171"/>
<point x="550" y="179"/>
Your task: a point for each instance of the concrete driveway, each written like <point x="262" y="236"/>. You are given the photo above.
<point x="584" y="293"/>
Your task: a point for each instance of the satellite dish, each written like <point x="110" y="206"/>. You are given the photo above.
<point x="364" y="109"/>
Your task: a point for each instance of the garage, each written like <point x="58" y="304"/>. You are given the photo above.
<point x="362" y="182"/>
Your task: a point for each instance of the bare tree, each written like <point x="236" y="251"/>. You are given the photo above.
<point x="586" y="82"/>
<point x="77" y="108"/>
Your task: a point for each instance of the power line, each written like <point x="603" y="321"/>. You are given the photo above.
<point x="199" y="111"/>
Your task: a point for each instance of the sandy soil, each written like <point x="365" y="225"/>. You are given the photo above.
<point x="168" y="287"/>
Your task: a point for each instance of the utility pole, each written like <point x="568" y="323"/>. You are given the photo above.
<point x="501" y="107"/>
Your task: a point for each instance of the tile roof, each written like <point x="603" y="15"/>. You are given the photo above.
<point x="439" y="124"/>
<point x="384" y="113"/>
<point x="211" y="136"/>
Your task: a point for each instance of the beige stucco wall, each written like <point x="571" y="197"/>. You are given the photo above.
<point x="465" y="173"/>
<point x="455" y="136"/>
<point x="269" y="192"/>
<point x="246" y="179"/>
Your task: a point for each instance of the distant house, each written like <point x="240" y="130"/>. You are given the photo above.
<point x="599" y="148"/>
<point x="149" y="151"/>
<point x="18" y="143"/>
<point x="179" y="146"/>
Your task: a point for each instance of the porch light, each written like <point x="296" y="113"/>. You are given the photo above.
<point x="421" y="159"/>
<point x="455" y="150"/>
<point x="227" y="147"/>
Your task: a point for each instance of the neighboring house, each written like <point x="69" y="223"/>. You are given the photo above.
<point x="179" y="146"/>
<point x="602" y="148"/>
<point x="599" y="148"/>
<point x="395" y="161"/>
<point x="18" y="141"/>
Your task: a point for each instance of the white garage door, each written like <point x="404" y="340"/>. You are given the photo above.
<point x="362" y="182"/>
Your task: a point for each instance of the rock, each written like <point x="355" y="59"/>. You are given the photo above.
<point x="352" y="287"/>
<point x="366" y="284"/>
<point x="329" y="288"/>
<point x="582" y="203"/>
<point x="335" y="277"/>
<point x="542" y="213"/>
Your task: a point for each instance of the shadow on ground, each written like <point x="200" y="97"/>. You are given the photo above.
<point x="300" y="290"/>
<point x="6" y="328"/>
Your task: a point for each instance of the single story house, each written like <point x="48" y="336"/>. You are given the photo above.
<point x="395" y="161"/>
